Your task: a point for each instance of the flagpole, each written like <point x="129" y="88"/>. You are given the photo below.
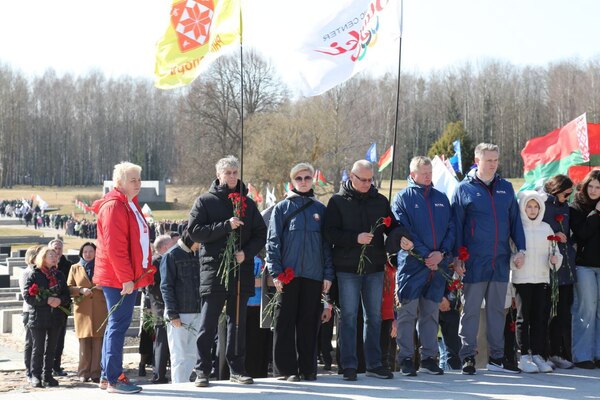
<point x="239" y="269"/>
<point x="394" y="151"/>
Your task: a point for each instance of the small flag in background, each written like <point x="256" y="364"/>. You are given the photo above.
<point x="319" y="178"/>
<point x="442" y="178"/>
<point x="372" y="153"/>
<point x="146" y="211"/>
<point x="287" y="187"/>
<point x="386" y="158"/>
<point x="271" y="199"/>
<point x="254" y="194"/>
<point x="198" y="33"/>
<point x="456" y="159"/>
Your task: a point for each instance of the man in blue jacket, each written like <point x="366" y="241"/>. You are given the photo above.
<point x="426" y="213"/>
<point x="486" y="217"/>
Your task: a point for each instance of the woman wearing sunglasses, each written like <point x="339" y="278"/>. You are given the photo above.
<point x="295" y="240"/>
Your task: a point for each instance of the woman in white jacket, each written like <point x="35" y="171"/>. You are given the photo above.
<point x="531" y="283"/>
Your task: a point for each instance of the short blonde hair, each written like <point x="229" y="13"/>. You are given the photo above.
<point x="121" y="170"/>
<point x="41" y="256"/>
<point x="32" y="253"/>
<point x="417" y="162"/>
<point x="301" y="167"/>
<point x="483" y="147"/>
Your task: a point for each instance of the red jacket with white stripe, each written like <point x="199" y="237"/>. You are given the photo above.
<point x="119" y="255"/>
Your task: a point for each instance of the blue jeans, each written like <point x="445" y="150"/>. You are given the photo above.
<point x="114" y="335"/>
<point x="586" y="315"/>
<point x="352" y="287"/>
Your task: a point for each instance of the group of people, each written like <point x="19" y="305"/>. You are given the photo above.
<point x="484" y="242"/>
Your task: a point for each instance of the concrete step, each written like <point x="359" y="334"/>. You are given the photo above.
<point x="6" y="318"/>
<point x="9" y="290"/>
<point x="4" y="304"/>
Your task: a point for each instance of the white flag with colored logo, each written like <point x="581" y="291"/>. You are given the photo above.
<point x="341" y="40"/>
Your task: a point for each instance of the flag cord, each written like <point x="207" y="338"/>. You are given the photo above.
<point x="394" y="151"/>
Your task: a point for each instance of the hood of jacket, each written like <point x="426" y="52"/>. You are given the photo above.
<point x="113" y="195"/>
<point x="347" y="190"/>
<point x="524" y="197"/>
<point x="222" y="190"/>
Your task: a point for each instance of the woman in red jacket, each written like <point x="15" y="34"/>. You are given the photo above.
<point x="123" y="264"/>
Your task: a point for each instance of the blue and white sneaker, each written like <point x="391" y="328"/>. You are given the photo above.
<point x="123" y="388"/>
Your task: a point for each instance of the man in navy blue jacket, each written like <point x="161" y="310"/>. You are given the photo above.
<point x="426" y="214"/>
<point x="486" y="217"/>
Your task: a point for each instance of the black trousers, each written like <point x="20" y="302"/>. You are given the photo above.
<point x="560" y="326"/>
<point x="296" y="327"/>
<point x="44" y="345"/>
<point x="449" y="322"/>
<point x="60" y="345"/>
<point x="161" y="352"/>
<point x="259" y="344"/>
<point x="388" y="344"/>
<point x="532" y="320"/>
<point x="28" y="345"/>
<point x="235" y="353"/>
<point x="325" y="348"/>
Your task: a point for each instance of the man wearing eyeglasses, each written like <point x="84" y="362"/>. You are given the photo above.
<point x="354" y="221"/>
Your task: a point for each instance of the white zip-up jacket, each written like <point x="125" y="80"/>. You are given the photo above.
<point x="536" y="268"/>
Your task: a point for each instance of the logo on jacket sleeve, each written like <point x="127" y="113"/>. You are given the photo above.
<point x="439" y="204"/>
<point x="316" y="217"/>
<point x="500" y="192"/>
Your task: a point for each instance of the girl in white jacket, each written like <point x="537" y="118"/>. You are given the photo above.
<point x="531" y="283"/>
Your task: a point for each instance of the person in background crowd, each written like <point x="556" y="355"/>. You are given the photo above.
<point x="531" y="283"/>
<point x="89" y="313"/>
<point x="64" y="266"/>
<point x="559" y="188"/>
<point x="585" y="225"/>
<point x="351" y="216"/>
<point x="30" y="256"/>
<point x="486" y="216"/>
<point x="123" y="264"/>
<point x="295" y="240"/>
<point x="160" y="346"/>
<point x="211" y="222"/>
<point x="45" y="291"/>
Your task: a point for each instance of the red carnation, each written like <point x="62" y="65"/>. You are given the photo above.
<point x="559" y="218"/>
<point x="286" y="276"/>
<point x="553" y="238"/>
<point x="513" y="326"/>
<point x="463" y="253"/>
<point x="34" y="290"/>
<point x="387" y="221"/>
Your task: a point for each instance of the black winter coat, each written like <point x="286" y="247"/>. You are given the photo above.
<point x="209" y="226"/>
<point x="350" y="213"/>
<point x="41" y="315"/>
<point x="566" y="274"/>
<point x="585" y="224"/>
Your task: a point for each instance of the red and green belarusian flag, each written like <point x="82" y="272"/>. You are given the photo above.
<point x="319" y="178"/>
<point x="386" y="158"/>
<point x="554" y="153"/>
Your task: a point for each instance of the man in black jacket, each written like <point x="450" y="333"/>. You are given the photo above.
<point x="212" y="220"/>
<point x="355" y="218"/>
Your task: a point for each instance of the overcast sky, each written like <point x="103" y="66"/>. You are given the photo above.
<point x="117" y="37"/>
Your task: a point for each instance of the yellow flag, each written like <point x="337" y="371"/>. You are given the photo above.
<point x="198" y="32"/>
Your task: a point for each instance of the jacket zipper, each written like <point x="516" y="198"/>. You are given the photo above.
<point x="430" y="218"/>
<point x="490" y="192"/>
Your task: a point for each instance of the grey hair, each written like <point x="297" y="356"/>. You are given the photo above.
<point x="483" y="147"/>
<point x="301" y="167"/>
<point x="161" y="241"/>
<point x="53" y="241"/>
<point x="121" y="169"/>
<point x="418" y="161"/>
<point x="361" y="164"/>
<point x="227" y="162"/>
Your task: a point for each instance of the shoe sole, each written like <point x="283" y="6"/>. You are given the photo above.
<point x="374" y="375"/>
<point x="200" y="384"/>
<point x="426" y="371"/>
<point x="412" y="373"/>
<point x="123" y="391"/>
<point x="494" y="368"/>
<point x="351" y="379"/>
<point x="469" y="372"/>
<point x="241" y="382"/>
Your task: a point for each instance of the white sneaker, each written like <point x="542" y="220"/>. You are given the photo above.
<point x="541" y="364"/>
<point x="551" y="364"/>
<point x="527" y="365"/>
<point x="561" y="362"/>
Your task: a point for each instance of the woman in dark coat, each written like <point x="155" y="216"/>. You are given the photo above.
<point x="47" y="295"/>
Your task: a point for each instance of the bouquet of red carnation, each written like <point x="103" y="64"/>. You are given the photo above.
<point x="560" y="218"/>
<point x="383" y="221"/>
<point x="228" y="262"/>
<point x="285" y="277"/>
<point x="554" y="240"/>
<point x="43" y="294"/>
